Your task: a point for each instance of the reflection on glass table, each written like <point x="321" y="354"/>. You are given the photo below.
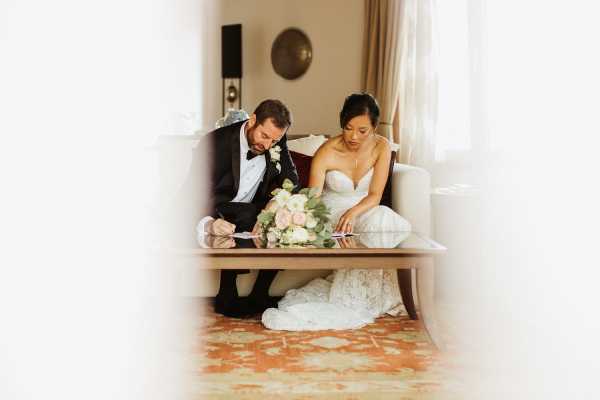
<point x="370" y="240"/>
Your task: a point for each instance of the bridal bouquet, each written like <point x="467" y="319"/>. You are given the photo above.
<point x="295" y="219"/>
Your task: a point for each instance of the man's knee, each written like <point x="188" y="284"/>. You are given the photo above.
<point x="243" y="215"/>
<point x="247" y="218"/>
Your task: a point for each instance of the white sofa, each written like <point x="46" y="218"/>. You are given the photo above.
<point x="410" y="198"/>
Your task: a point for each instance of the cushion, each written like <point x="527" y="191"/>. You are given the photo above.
<point x="306" y="145"/>
<point x="302" y="163"/>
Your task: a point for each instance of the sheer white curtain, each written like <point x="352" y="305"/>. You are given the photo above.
<point x="461" y="101"/>
<point x="441" y="115"/>
<point x="418" y="96"/>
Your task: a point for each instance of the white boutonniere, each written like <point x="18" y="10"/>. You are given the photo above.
<point x="275" y="156"/>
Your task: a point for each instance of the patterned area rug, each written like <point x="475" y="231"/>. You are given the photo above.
<point x="389" y="359"/>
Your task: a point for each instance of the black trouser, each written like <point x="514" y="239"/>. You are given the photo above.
<point x="243" y="216"/>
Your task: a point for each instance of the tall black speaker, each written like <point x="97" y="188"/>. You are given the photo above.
<point x="231" y="66"/>
<point x="231" y="51"/>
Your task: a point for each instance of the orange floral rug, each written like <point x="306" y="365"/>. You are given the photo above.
<point x="389" y="359"/>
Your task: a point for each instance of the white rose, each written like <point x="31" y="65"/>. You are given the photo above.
<point x="286" y="236"/>
<point x="296" y="202"/>
<point x="271" y="237"/>
<point x="282" y="197"/>
<point x="299" y="235"/>
<point x="275" y="231"/>
<point x="311" y="221"/>
<point x="275" y="153"/>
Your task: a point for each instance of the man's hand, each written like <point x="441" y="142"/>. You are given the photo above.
<point x="220" y="242"/>
<point x="220" y="227"/>
<point x="256" y="230"/>
<point x="257" y="242"/>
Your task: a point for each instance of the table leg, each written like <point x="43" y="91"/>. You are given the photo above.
<point x="405" y="283"/>
<point x="425" y="293"/>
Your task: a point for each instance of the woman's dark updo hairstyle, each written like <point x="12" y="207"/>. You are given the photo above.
<point x="359" y="104"/>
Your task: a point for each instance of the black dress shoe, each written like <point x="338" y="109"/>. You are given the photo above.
<point x="260" y="304"/>
<point x="234" y="307"/>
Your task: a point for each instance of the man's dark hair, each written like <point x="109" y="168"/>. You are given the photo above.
<point x="359" y="104"/>
<point x="277" y="111"/>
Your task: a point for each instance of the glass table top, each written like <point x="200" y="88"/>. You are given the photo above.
<point x="371" y="240"/>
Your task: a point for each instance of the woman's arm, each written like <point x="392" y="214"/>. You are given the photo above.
<point x="318" y="168"/>
<point x="380" y="176"/>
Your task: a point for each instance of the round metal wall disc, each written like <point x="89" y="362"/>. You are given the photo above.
<point x="291" y="53"/>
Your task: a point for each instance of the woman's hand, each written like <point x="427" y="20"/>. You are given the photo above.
<point x="346" y="222"/>
<point x="348" y="242"/>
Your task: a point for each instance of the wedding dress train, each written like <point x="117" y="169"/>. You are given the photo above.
<point x="348" y="298"/>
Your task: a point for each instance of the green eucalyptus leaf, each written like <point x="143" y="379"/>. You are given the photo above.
<point x="287" y="185"/>
<point x="265" y="217"/>
<point x="329" y="243"/>
<point x="312" y="203"/>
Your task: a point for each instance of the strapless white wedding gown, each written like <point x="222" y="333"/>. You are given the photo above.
<point x="348" y="298"/>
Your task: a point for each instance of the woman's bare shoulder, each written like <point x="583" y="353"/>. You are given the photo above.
<point x="382" y="145"/>
<point x="325" y="157"/>
<point x="328" y="148"/>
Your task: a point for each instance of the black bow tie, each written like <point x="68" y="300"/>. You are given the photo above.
<point x="250" y="155"/>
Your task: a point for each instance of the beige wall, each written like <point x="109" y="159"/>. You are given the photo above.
<point x="335" y="28"/>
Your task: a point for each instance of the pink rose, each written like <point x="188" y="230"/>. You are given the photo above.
<point x="298" y="218"/>
<point x="273" y="206"/>
<point x="283" y="218"/>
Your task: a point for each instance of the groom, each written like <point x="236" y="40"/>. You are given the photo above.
<point x="242" y="174"/>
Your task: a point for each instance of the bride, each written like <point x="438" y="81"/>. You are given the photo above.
<point x="350" y="171"/>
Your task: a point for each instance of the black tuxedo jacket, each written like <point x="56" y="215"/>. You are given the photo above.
<point x="216" y="166"/>
<point x="221" y="149"/>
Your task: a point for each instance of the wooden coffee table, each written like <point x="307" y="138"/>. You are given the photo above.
<point x="403" y="251"/>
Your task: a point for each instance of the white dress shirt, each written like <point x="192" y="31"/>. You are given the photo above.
<point x="251" y="173"/>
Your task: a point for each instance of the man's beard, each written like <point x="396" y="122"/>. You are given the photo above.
<point x="254" y="148"/>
